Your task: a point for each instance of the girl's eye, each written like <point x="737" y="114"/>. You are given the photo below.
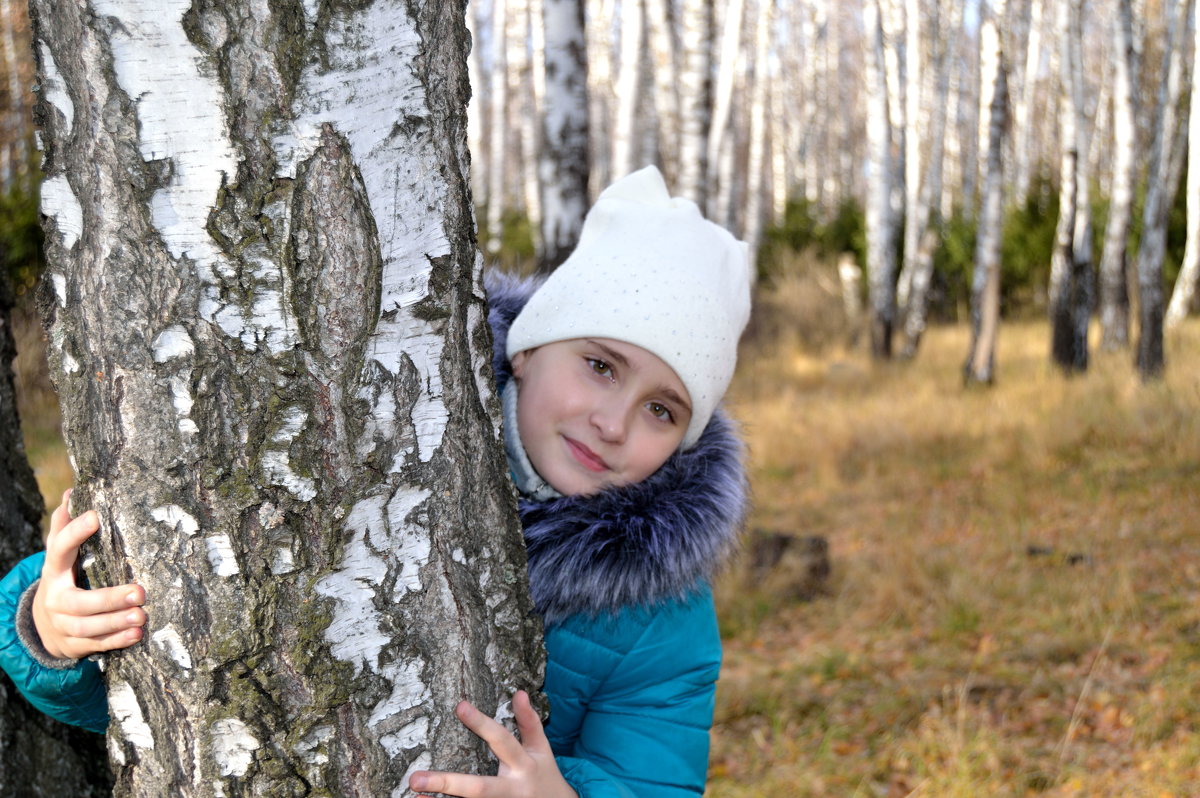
<point x="660" y="411"/>
<point x="600" y="367"/>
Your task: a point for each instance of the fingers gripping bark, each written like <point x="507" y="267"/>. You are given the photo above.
<point x="73" y="622"/>
<point x="527" y="766"/>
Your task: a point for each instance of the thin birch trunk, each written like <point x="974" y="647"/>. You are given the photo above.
<point x="1023" y="129"/>
<point x="695" y="98"/>
<point x="269" y="336"/>
<point x="532" y="90"/>
<point x="1114" y="285"/>
<point x="1070" y="263"/>
<point x="985" y="287"/>
<point x="917" y="123"/>
<point x="497" y="196"/>
<point x="479" y="107"/>
<point x="1183" y="296"/>
<point x="1150" y="357"/>
<point x="880" y="228"/>
<point x="563" y="157"/>
<point x="598" y="22"/>
<point x="628" y="90"/>
<point x="760" y="97"/>
<point x="664" y="77"/>
<point x="727" y="67"/>
<point x="916" y="304"/>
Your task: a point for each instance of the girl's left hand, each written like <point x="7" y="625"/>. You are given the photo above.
<point x="527" y="766"/>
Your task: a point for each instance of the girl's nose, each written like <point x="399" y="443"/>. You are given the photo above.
<point x="609" y="419"/>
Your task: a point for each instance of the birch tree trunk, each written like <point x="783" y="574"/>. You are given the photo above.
<point x="563" y="158"/>
<point x="629" y="82"/>
<point x="1071" y="262"/>
<point x="985" y="285"/>
<point x="880" y="228"/>
<point x="38" y="756"/>
<point x="1183" y="296"/>
<point x="268" y="331"/>
<point x="760" y="97"/>
<point x="915" y="300"/>
<point x="531" y="88"/>
<point x="1159" y="193"/>
<point x="664" y="81"/>
<point x="498" y="131"/>
<point x="1114" y="287"/>
<point x="1022" y="128"/>
<point x="695" y="97"/>
<point x="727" y="67"/>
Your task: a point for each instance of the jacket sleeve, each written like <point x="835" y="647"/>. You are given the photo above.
<point x="645" y="731"/>
<point x="73" y="695"/>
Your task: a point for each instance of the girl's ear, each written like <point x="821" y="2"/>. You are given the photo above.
<point x="518" y="363"/>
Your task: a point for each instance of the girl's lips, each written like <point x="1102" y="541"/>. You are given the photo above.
<point x="586" y="457"/>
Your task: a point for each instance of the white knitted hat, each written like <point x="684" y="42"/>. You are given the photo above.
<point x="649" y="270"/>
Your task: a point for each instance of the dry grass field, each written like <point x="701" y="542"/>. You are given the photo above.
<point x="1014" y="607"/>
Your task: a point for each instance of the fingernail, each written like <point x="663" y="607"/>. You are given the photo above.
<point x="134" y="634"/>
<point x="134" y="618"/>
<point x="419" y="781"/>
<point x="133" y="599"/>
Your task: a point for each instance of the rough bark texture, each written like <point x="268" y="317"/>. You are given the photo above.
<point x="38" y="756"/>
<point x="268" y="331"/>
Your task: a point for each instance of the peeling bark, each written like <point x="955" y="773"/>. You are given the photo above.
<point x="270" y="338"/>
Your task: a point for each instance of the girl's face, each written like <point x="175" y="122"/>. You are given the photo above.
<point x="596" y="413"/>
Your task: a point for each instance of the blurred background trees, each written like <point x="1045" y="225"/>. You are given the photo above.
<point x="802" y="114"/>
<point x="814" y="128"/>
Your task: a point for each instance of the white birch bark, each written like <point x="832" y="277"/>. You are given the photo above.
<point x="664" y="76"/>
<point x="915" y="285"/>
<point x="1114" y="291"/>
<point x="628" y="90"/>
<point x="985" y="287"/>
<point x="269" y="334"/>
<point x="759" y="100"/>
<point x="1071" y="281"/>
<point x="1024" y="98"/>
<point x="1183" y="295"/>
<point x="598" y="21"/>
<point x="727" y="68"/>
<point x="532" y="90"/>
<point x="916" y="123"/>
<point x="695" y="96"/>
<point x="880" y="240"/>
<point x="563" y="157"/>
<point x="1159" y="193"/>
<point x="497" y="196"/>
<point x="479" y="106"/>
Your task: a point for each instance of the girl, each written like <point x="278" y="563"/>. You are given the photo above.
<point x="631" y="495"/>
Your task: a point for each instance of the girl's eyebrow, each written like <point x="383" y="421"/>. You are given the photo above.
<point x="610" y="353"/>
<point x="669" y="393"/>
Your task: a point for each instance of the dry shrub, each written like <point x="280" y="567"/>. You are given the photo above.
<point x="801" y="306"/>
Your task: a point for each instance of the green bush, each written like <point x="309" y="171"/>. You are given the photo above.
<point x="20" y="237"/>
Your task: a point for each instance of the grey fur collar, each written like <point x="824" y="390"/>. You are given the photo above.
<point x="638" y="544"/>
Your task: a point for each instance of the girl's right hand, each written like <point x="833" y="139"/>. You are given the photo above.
<point x="73" y="622"/>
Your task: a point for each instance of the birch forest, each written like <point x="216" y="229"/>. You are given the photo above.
<point x="919" y="114"/>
